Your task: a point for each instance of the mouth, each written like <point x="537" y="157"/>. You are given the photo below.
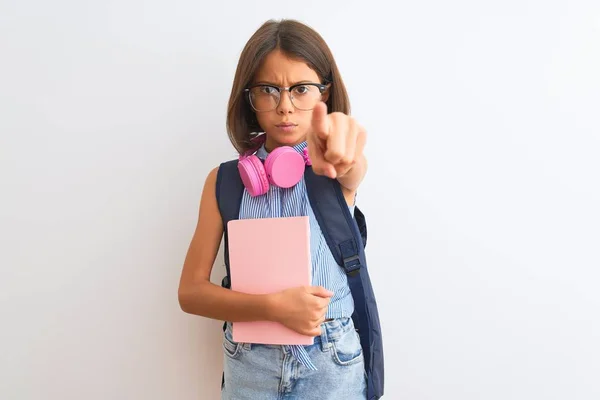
<point x="285" y="125"/>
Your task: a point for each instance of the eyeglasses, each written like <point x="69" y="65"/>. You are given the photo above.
<point x="304" y="96"/>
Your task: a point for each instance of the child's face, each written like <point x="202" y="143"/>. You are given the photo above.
<point x="286" y="125"/>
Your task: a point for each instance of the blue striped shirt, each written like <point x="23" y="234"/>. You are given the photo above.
<point x="294" y="202"/>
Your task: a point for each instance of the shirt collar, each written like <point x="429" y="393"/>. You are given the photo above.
<point x="262" y="151"/>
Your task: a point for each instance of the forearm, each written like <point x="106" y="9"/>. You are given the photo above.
<point x="212" y="301"/>
<point x="351" y="180"/>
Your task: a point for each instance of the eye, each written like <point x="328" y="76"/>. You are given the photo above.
<point x="303" y="89"/>
<point x="267" y="90"/>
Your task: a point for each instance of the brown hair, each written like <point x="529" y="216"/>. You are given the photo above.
<point x="297" y="41"/>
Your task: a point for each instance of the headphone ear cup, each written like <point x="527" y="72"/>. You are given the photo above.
<point x="253" y="175"/>
<point x="285" y="167"/>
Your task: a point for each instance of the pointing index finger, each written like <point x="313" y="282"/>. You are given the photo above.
<point x="320" y="123"/>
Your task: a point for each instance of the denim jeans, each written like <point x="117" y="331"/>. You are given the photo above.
<point x="270" y="372"/>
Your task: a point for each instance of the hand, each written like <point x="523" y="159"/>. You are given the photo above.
<point x="335" y="142"/>
<point x="302" y="309"/>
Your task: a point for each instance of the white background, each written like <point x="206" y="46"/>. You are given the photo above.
<point x="482" y="195"/>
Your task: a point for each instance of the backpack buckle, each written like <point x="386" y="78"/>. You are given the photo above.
<point x="350" y="257"/>
<point x="352" y="265"/>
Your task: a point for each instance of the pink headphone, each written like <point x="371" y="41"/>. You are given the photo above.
<point x="283" y="167"/>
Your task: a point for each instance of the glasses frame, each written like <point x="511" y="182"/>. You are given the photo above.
<point x="322" y="88"/>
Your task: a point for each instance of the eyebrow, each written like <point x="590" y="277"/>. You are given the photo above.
<point x="275" y="84"/>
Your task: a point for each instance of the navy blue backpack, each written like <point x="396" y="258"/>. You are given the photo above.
<point x="346" y="236"/>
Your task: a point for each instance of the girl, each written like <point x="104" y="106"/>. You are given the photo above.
<point x="285" y="84"/>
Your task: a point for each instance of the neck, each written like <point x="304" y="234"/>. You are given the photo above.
<point x="271" y="145"/>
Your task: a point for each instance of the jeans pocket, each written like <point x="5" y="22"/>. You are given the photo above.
<point x="231" y="348"/>
<point x="347" y="350"/>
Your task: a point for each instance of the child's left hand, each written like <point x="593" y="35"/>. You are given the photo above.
<point x="335" y="142"/>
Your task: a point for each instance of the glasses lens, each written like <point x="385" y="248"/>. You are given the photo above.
<point x="305" y="97"/>
<point x="264" y="98"/>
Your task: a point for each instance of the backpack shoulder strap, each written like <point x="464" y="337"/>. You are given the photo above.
<point x="229" y="191"/>
<point x="346" y="237"/>
<point x="337" y="223"/>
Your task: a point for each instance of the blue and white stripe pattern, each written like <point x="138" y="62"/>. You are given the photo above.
<point x="293" y="202"/>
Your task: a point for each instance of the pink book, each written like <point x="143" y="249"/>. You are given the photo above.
<point x="267" y="255"/>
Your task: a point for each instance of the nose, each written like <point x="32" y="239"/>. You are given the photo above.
<point x="285" y="103"/>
